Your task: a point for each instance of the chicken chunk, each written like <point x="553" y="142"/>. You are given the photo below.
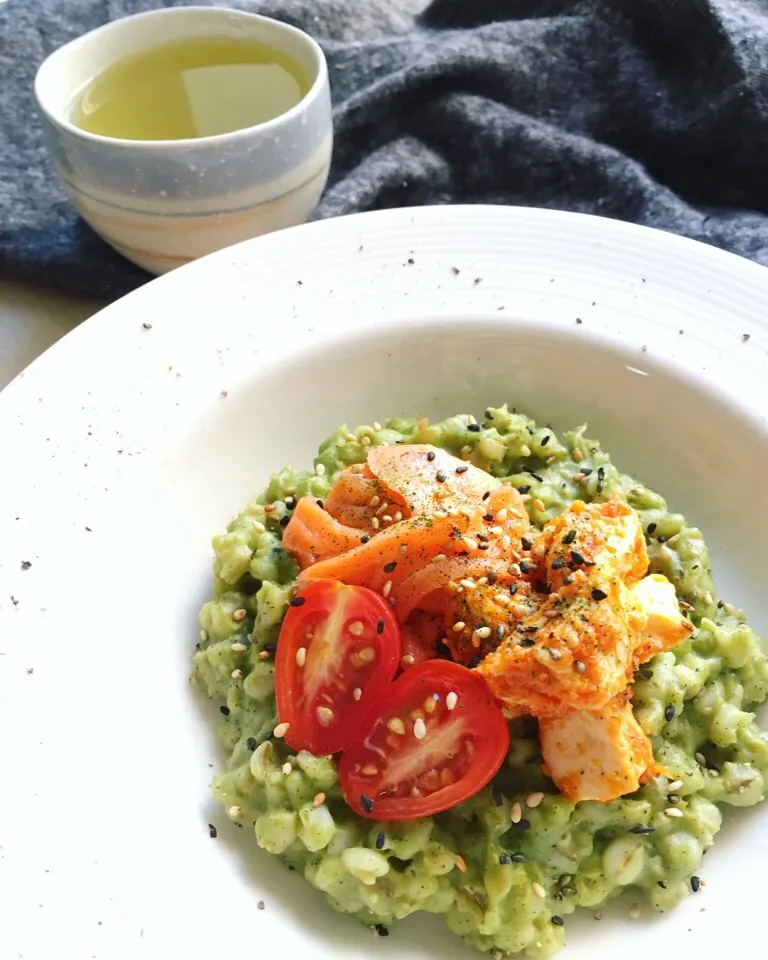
<point x="663" y="626"/>
<point x="597" y="755"/>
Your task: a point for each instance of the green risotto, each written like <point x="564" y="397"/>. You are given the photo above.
<point x="515" y="884"/>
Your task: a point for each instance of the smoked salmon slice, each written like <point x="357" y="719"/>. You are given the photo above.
<point x="313" y="534"/>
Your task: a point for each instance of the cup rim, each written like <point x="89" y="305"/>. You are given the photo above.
<point x="61" y="122"/>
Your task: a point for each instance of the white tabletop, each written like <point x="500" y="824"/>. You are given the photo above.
<point x="31" y="321"/>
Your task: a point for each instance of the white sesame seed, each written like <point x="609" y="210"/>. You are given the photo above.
<point x="408" y="660"/>
<point x="438" y="557"/>
<point x="579" y="666"/>
<point x="534" y="799"/>
<point x="502" y="515"/>
<point x="469" y="543"/>
<point x="375" y="523"/>
<point x="234" y="811"/>
<point x="516" y="813"/>
<point x="707" y="598"/>
<point x="468" y="584"/>
<point x="483" y="632"/>
<point x="396" y="725"/>
<point x="287" y="768"/>
<point x="236" y="673"/>
<point x="514" y="569"/>
<point x="203" y="635"/>
<point x="675" y="785"/>
<point x="320" y="469"/>
<point x="538" y="505"/>
<point x="387" y="588"/>
<point x="386" y="518"/>
<point x="673" y="812"/>
<point x="258" y="526"/>
<point x="375" y="501"/>
<point x="239" y="647"/>
<point x="506" y="542"/>
<point x="239" y="615"/>
<point x="439" y="515"/>
<point x="357" y="693"/>
<point x="325" y="715"/>
<point x="263" y="655"/>
<point x="382" y="509"/>
<point x="701" y="759"/>
<point x="419" y="729"/>
<point x="350" y="437"/>
<point x="577" y="455"/>
<point x="366" y="441"/>
<point x="451" y="700"/>
<point x="301" y="656"/>
<point x="458" y="626"/>
<point x="634" y="912"/>
<point x="466" y="512"/>
<point x="538" y="890"/>
<point x="550" y="460"/>
<point x="551" y="614"/>
<point x="281" y="729"/>
<point x="319" y="799"/>
<point x="376" y="426"/>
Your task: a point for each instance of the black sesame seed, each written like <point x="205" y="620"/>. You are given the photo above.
<point x="524" y="489"/>
<point x="298" y="602"/>
<point x="488" y="517"/>
<point x="224" y="710"/>
<point x="524" y="567"/>
<point x="431" y="456"/>
<point x="269" y="735"/>
<point x="270" y="646"/>
<point x="695" y="884"/>
<point x="251" y="743"/>
<point x="26" y="564"/>
<point x="486" y="495"/>
<point x="568" y="580"/>
<point x="569" y="537"/>
<point x="212" y="831"/>
<point x="534" y="475"/>
<point x="505" y="858"/>
<point x="498" y="796"/>
<point x="482" y="537"/>
<point x="381" y="930"/>
<point x="558" y="563"/>
<point x="527" y="642"/>
<point x="492" y="577"/>
<point x="320" y="504"/>
<point x="523" y="824"/>
<point x="601" y="473"/>
<point x="290" y="502"/>
<point x="380" y="840"/>
<point x="366" y="803"/>
<point x="587" y="471"/>
<point x="474" y="427"/>
<point x="545" y="440"/>
<point x="669" y="712"/>
<point x="380" y="627"/>
<point x="673" y="798"/>
<point x="518" y="858"/>
<point x="525" y="543"/>
<point x="513" y="589"/>
<point x="489" y="414"/>
<point x="577" y="557"/>
<point x="284" y="521"/>
<point x="463" y="468"/>
<point x="483" y="546"/>
<point x="440" y="476"/>
<point x="641" y="830"/>
<point x="652" y="528"/>
<point x="598" y="594"/>
<point x="662" y="884"/>
<point x="364" y="539"/>
<point x="558" y="921"/>
<point x="389" y="567"/>
<point x="475" y="662"/>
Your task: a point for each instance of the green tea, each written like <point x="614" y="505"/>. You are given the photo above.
<point x="190" y="88"/>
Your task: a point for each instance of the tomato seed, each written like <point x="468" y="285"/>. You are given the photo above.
<point x="451" y="700"/>
<point x="239" y="615"/>
<point x="461" y="863"/>
<point x="301" y="656"/>
<point x="357" y="693"/>
<point x="370" y="770"/>
<point x="429" y="705"/>
<point x="419" y="729"/>
<point x="367" y="654"/>
<point x="459" y="626"/>
<point x="446" y="777"/>
<point x="396" y="725"/>
<point x="324" y="715"/>
<point x="408" y="660"/>
<point x="356" y="628"/>
<point x="287" y="768"/>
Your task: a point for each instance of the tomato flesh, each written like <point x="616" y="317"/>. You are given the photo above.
<point x="437" y="738"/>
<point x="338" y="650"/>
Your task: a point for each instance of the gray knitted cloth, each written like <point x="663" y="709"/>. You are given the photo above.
<point x="654" y="111"/>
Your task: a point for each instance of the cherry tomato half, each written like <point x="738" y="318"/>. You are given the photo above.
<point x="438" y="738"/>
<point x="338" y="650"/>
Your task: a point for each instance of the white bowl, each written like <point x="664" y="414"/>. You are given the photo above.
<point x="163" y="203"/>
<point x="119" y="469"/>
